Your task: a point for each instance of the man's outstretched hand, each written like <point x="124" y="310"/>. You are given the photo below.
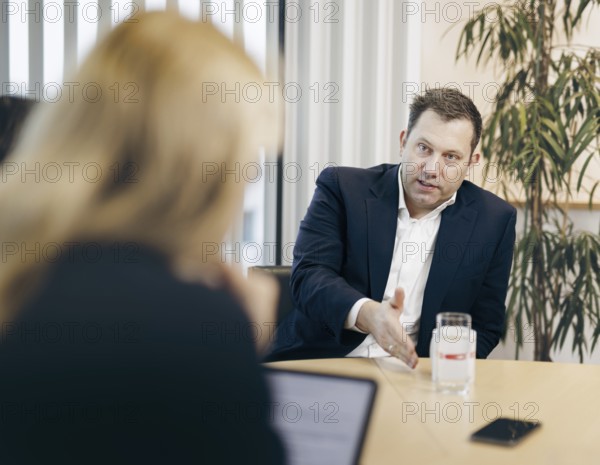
<point x="382" y="320"/>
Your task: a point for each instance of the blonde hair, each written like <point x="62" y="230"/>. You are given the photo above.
<point x="143" y="122"/>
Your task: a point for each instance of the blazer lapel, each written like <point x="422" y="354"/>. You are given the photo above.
<point x="382" y="221"/>
<point x="455" y="231"/>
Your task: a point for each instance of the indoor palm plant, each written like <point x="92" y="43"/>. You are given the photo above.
<point x="545" y="129"/>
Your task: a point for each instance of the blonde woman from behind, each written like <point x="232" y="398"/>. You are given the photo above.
<point x="124" y="337"/>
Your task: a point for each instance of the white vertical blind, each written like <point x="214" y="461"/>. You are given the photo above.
<point x="189" y="9"/>
<point x="71" y="13"/>
<point x="105" y="21"/>
<point x="350" y="101"/>
<point x="4" y="40"/>
<point x="18" y="48"/>
<point x="220" y="14"/>
<point x="87" y="27"/>
<point x="271" y="58"/>
<point x="238" y="22"/>
<point x="350" y="59"/>
<point x="36" y="45"/>
<point x="152" y="5"/>
<point x="53" y="47"/>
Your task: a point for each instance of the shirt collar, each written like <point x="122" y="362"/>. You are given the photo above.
<point x="402" y="203"/>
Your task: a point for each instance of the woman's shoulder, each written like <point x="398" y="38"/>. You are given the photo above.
<point x="118" y="281"/>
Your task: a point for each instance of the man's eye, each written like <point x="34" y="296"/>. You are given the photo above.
<point x="422" y="147"/>
<point x="451" y="157"/>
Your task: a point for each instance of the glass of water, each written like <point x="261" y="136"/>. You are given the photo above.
<point x="452" y="352"/>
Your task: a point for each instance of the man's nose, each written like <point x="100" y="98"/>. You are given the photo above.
<point x="431" y="166"/>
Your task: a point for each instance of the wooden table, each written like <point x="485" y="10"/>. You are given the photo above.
<point x="413" y="424"/>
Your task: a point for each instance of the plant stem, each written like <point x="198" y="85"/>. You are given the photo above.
<point x="542" y="329"/>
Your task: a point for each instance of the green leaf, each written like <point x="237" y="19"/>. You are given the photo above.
<point x="558" y="150"/>
<point x="584" y="168"/>
<point x="591" y="201"/>
<point x="587" y="132"/>
<point x="554" y="127"/>
<point x="583" y="4"/>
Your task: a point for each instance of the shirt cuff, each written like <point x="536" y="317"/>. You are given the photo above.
<point x="350" y="322"/>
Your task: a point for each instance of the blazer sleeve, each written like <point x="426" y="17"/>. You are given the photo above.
<point x="319" y="288"/>
<point x="490" y="309"/>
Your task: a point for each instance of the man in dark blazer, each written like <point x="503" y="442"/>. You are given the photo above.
<point x="347" y="246"/>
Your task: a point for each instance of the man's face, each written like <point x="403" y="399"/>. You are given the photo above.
<point x="435" y="159"/>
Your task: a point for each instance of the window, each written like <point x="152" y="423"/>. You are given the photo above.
<point x="48" y="38"/>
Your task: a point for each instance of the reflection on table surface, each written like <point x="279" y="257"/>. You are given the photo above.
<point x="412" y="423"/>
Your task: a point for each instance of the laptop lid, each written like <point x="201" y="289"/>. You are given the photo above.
<point x="321" y="419"/>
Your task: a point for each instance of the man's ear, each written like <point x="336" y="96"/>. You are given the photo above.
<point x="474" y="158"/>
<point x="403" y="137"/>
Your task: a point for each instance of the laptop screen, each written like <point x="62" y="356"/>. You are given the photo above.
<point x="321" y="419"/>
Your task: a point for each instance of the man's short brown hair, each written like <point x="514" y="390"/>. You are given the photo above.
<point x="449" y="104"/>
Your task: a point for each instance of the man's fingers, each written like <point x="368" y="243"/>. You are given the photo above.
<point x="397" y="301"/>
<point x="412" y="361"/>
<point x="408" y="356"/>
<point x="400" y="345"/>
<point x="404" y="353"/>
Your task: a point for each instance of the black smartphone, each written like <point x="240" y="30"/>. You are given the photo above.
<point x="505" y="431"/>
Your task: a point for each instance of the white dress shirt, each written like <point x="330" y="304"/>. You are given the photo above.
<point x="413" y="252"/>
